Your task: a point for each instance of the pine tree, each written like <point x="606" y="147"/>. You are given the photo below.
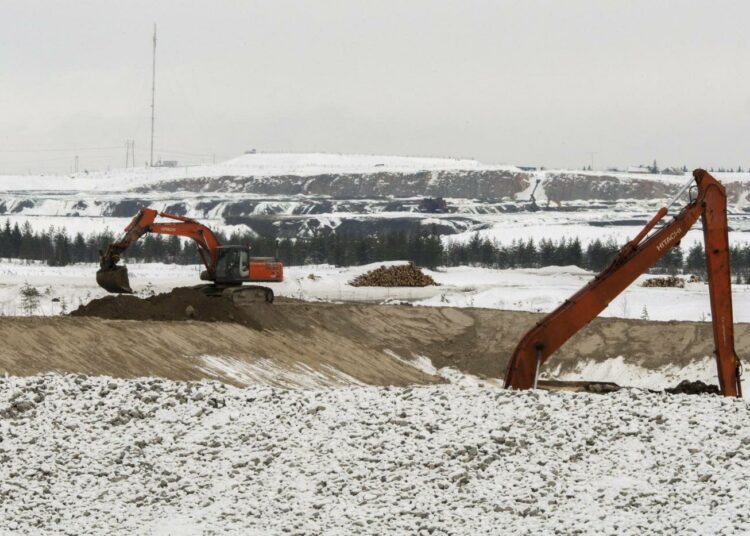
<point x="574" y="253"/>
<point x="5" y="247"/>
<point x="174" y="246"/>
<point x="433" y="251"/>
<point x="29" y="299"/>
<point x="61" y="255"/>
<point x="596" y="256"/>
<point x="79" y="251"/>
<point x="15" y="241"/>
<point x="547" y="252"/>
<point x="696" y="259"/>
<point x="27" y="246"/>
<point x="671" y="262"/>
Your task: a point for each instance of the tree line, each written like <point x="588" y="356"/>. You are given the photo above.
<point x="58" y="248"/>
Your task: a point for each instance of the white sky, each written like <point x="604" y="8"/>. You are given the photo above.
<point x="535" y="82"/>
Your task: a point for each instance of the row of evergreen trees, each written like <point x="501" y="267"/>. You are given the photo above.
<point x="58" y="248"/>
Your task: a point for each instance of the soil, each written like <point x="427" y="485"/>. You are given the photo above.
<point x="183" y="303"/>
<point x="130" y="337"/>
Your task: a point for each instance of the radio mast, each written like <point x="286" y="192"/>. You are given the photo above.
<point x="153" y="94"/>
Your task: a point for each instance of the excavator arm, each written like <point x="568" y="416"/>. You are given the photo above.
<point x="634" y="259"/>
<point x="114" y="278"/>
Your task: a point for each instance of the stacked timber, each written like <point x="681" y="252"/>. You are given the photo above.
<point x="404" y="275"/>
<point x="668" y="281"/>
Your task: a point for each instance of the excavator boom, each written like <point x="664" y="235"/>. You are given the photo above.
<point x="634" y="259"/>
<point x="114" y="278"/>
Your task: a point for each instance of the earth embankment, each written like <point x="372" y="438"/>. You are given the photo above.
<point x="292" y="343"/>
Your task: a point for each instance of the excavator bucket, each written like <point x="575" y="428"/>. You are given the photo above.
<point x="114" y="280"/>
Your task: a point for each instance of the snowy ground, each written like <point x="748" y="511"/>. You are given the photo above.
<point x="587" y="226"/>
<point x="536" y="290"/>
<point x="101" y="456"/>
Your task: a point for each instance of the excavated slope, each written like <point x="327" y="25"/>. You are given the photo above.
<point x="292" y="343"/>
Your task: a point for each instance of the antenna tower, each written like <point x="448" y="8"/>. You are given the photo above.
<point x="153" y="94"/>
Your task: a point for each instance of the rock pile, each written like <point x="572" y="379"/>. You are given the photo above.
<point x="686" y="387"/>
<point x="404" y="275"/>
<point x="668" y="281"/>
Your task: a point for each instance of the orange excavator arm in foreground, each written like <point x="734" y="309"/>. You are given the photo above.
<point x="634" y="259"/>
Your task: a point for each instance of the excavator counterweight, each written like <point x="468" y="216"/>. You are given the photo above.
<point x="637" y="256"/>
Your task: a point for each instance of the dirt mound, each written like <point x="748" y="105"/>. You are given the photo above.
<point x="180" y="304"/>
<point x="686" y="387"/>
<point x="669" y="281"/>
<point x="405" y="275"/>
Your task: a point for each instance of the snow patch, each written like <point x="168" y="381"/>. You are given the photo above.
<point x="264" y="371"/>
<point x="629" y="374"/>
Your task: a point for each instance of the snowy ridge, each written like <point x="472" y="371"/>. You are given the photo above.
<point x="249" y="165"/>
<point x="296" y="194"/>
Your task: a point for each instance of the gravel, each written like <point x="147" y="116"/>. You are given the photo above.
<point x="97" y="455"/>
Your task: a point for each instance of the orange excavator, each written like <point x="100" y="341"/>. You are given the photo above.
<point x="227" y="267"/>
<point x="709" y="203"/>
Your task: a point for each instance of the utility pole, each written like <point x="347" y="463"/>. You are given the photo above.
<point x="153" y="94"/>
<point x="132" y="145"/>
<point x="76" y="163"/>
<point x="127" y="153"/>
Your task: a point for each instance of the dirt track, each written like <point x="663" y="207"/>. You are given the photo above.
<point x="340" y="343"/>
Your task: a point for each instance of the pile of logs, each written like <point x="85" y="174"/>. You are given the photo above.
<point x="668" y="281"/>
<point x="404" y="275"/>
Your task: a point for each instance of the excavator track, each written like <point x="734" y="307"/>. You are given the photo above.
<point x="248" y="294"/>
<point x="239" y="295"/>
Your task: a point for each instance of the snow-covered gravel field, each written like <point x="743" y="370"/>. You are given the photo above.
<point x="93" y="455"/>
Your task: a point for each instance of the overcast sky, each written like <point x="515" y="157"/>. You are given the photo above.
<point x="529" y="82"/>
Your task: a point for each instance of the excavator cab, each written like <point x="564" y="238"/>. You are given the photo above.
<point x="232" y="264"/>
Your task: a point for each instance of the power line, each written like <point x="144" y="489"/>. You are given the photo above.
<point x="180" y="153"/>
<point x="70" y="149"/>
<point x="35" y="161"/>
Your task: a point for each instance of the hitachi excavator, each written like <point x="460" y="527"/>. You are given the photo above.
<point x="710" y="203"/>
<point x="227" y="267"/>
